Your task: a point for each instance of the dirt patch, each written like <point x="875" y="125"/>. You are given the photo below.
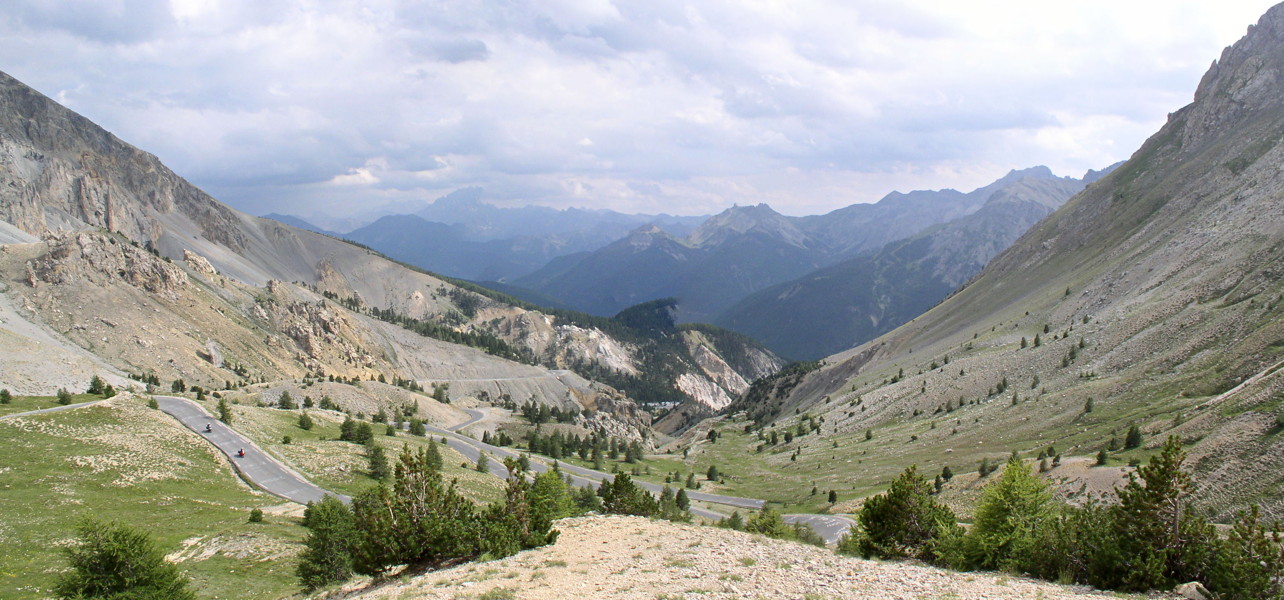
<point x="635" y="558"/>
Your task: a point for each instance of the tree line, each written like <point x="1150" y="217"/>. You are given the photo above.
<point x="1147" y="537"/>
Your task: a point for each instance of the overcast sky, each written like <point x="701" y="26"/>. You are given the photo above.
<point x="644" y="106"/>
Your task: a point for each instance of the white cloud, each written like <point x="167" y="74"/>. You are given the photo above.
<point x="655" y="106"/>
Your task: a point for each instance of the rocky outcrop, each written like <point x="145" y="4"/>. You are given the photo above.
<point x="83" y="255"/>
<point x="199" y="264"/>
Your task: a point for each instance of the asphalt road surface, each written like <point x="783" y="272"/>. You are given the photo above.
<point x="830" y="527"/>
<point x="52" y="409"/>
<point x="256" y="466"/>
<point x="581" y="476"/>
<point x="267" y="473"/>
<point x="476" y="415"/>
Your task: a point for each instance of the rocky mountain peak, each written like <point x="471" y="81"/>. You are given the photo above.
<point x="1245" y="80"/>
<point x="1035" y="172"/>
<point x="645" y="237"/>
<point x="739" y="220"/>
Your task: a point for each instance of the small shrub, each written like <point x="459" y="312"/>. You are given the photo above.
<point x="256" y="515"/>
<point x="499" y="593"/>
<point x="64" y="397"/>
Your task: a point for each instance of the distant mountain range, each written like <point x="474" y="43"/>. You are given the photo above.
<point x="461" y="235"/>
<point x="747" y="249"/>
<point x="842" y="305"/>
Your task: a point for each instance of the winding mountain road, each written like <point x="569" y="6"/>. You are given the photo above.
<point x="476" y="414"/>
<point x="274" y="477"/>
<point x="256" y="466"/>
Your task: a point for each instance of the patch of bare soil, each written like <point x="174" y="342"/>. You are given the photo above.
<point x="636" y="558"/>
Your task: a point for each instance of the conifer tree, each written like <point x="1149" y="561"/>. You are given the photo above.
<point x="905" y="522"/>
<point x="1162" y="541"/>
<point x="111" y="560"/>
<point x="327" y="554"/>
<point x="224" y="411"/>
<point x="1010" y="517"/>
<point x="1133" y="440"/>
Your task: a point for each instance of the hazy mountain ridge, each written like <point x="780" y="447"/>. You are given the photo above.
<point x="853" y="301"/>
<point x="461" y="235"/>
<point x="746" y="249"/>
<point x="61" y="172"/>
<point x="1156" y="292"/>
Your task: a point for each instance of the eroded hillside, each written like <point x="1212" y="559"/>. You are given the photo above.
<point x="1153" y="298"/>
<point x="61" y="175"/>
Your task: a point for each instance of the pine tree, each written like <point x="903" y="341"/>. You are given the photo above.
<point x="95" y="385"/>
<point x="622" y="497"/>
<point x="1133" y="440"/>
<point x="224" y="411"/>
<point x="111" y="560"/>
<point x="768" y="522"/>
<point x="64" y="397"/>
<point x="1161" y="540"/>
<point x="483" y="463"/>
<point x="305" y="421"/>
<point x="712" y="473"/>
<point x="417" y="517"/>
<point x="286" y="401"/>
<point x="379" y="469"/>
<point x="1248" y="563"/>
<point x="833" y="496"/>
<point x="328" y="550"/>
<point x="905" y="522"/>
<point x="1010" y="517"/>
<point x="6" y="397"/>
<point x="682" y="501"/>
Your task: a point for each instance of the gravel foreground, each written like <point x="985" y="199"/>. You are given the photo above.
<point x="637" y="558"/>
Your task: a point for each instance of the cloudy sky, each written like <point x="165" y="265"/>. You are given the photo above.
<point x="641" y="106"/>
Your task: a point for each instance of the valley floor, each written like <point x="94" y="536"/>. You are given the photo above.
<point x="637" y="558"/>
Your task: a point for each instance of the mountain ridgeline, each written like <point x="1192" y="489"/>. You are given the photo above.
<point x="238" y="298"/>
<point x="853" y="301"/>
<point x="462" y="236"/>
<point x="808" y="286"/>
<point x="1152" y="299"/>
